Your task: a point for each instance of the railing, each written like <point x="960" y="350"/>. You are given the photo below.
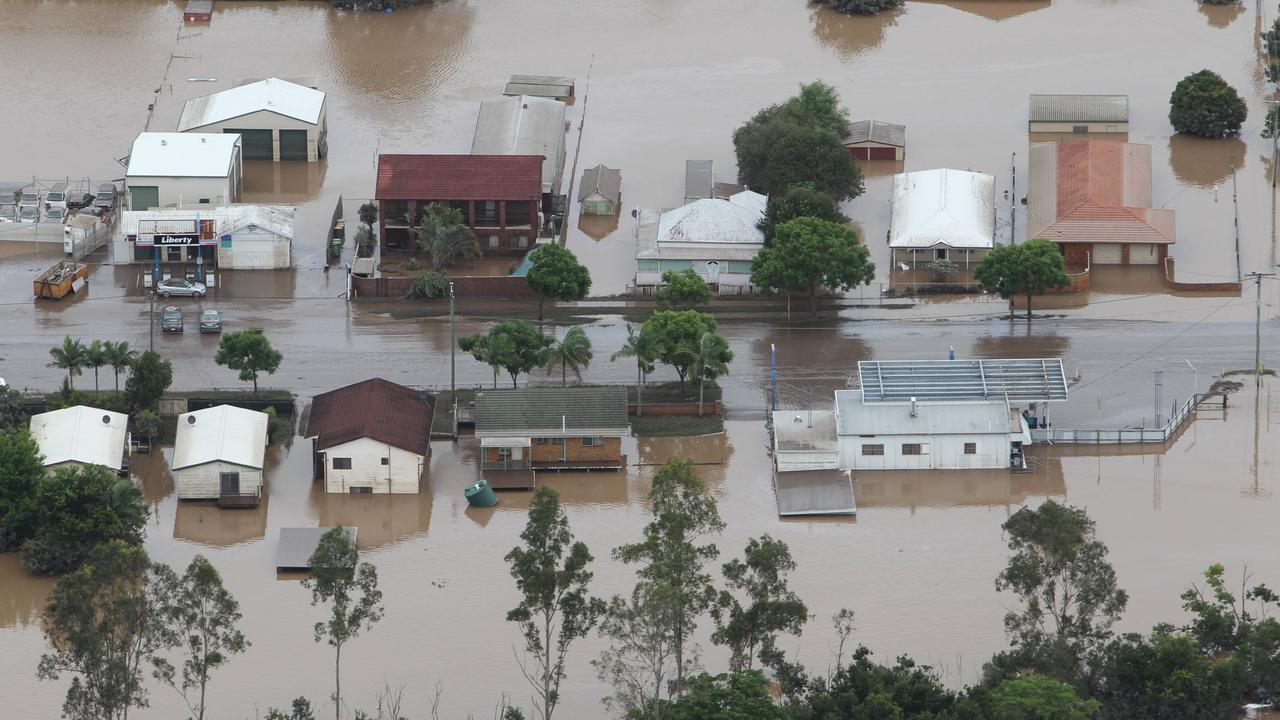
<point x="506" y="464"/>
<point x="1119" y="436"/>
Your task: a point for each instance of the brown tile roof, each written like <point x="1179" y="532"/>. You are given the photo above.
<point x="459" y="177"/>
<point x="377" y="409"/>
<point x="1100" y="193"/>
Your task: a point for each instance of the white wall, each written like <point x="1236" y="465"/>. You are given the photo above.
<point x="941" y="452"/>
<point x="188" y="191"/>
<point x="254" y="249"/>
<point x="203" y="482"/>
<point x="264" y="120"/>
<point x="401" y="473"/>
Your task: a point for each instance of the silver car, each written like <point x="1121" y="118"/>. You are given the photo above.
<point x="180" y="287"/>
<point x="211" y="321"/>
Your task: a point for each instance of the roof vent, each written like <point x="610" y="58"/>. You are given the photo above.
<point x="191" y="419"/>
<point x="525" y="106"/>
<point x="106" y="419"/>
<point x="204" y="140"/>
<point x="915" y="412"/>
<point x="163" y="141"/>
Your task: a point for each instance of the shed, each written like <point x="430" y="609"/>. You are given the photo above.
<point x="297" y="545"/>
<point x="942" y="215"/>
<point x="1079" y="114"/>
<point x="276" y="119"/>
<point x="876" y="140"/>
<point x="699" y="180"/>
<point x="81" y="435"/>
<point x="524" y="125"/>
<point x="567" y="428"/>
<point x="600" y="192"/>
<point x="218" y="455"/>
<point x="542" y="86"/>
<point x="255" y="237"/>
<point x="372" y="436"/>
<point x="198" y="11"/>
<point x="183" y="169"/>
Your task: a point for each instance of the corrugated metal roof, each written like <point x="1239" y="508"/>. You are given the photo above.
<point x="603" y="180"/>
<point x="459" y="177"/>
<point x="273" y="95"/>
<point x="523" y="125"/>
<point x="814" y="492"/>
<point x="855" y="417"/>
<point x="1031" y="380"/>
<point x="549" y="86"/>
<point x="81" y="434"/>
<point x="552" y="412"/>
<point x="943" y="207"/>
<point x="1080" y="108"/>
<point x="876" y="131"/>
<point x="732" y="221"/>
<point x="223" y="433"/>
<point x="379" y="409"/>
<point x="278" y="219"/>
<point x="171" y="154"/>
<point x="699" y="179"/>
<point x="297" y="545"/>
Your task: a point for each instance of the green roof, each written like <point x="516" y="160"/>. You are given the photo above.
<point x="552" y="412"/>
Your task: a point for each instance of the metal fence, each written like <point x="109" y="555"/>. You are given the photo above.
<point x="1119" y="436"/>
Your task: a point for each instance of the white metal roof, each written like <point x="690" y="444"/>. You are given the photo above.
<point x="983" y="417"/>
<point x="171" y="154"/>
<point x="224" y="433"/>
<point x="712" y="220"/>
<point x="278" y="219"/>
<point x="943" y="207"/>
<point x="273" y="95"/>
<point x="1018" y="379"/>
<point x="523" y="125"/>
<point x="81" y="434"/>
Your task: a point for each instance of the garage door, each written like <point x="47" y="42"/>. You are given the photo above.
<point x="255" y="144"/>
<point x="293" y="144"/>
<point x="1107" y="254"/>
<point x="1144" y="254"/>
<point x="143" y="197"/>
<point x="251" y="250"/>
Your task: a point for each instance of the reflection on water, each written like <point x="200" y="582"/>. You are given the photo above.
<point x="597" y="227"/>
<point x="959" y="488"/>
<point x="1220" y="16"/>
<point x="852" y="35"/>
<point x="286" y="182"/>
<point x="996" y="10"/>
<point x="1205" y="162"/>
<point x="1021" y="341"/>
<point x="21" y="595"/>
<point x="205" y="523"/>
<point x="382" y="519"/>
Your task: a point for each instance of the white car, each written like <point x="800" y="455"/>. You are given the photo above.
<point x="28" y="213"/>
<point x="180" y="287"/>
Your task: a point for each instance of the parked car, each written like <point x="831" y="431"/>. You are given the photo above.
<point x="56" y="196"/>
<point x="28" y="213"/>
<point x="8" y="212"/>
<point x="106" y="197"/>
<point x="55" y="214"/>
<point x="180" y="287"/>
<point x="171" y="319"/>
<point x="77" y="201"/>
<point x="211" y="321"/>
<point x="30" y="195"/>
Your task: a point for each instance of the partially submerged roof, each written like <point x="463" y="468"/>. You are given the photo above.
<point x="459" y="177"/>
<point x="552" y="412"/>
<point x="523" y="125"/>
<point x="974" y="417"/>
<point x="171" y="154"/>
<point x="943" y="207"/>
<point x="223" y="433"/>
<point x="814" y="492"/>
<point x="1032" y="380"/>
<point x="1080" y="108"/>
<point x="711" y="220"/>
<point x="276" y="219"/>
<point x="877" y="132"/>
<point x="1094" y="191"/>
<point x="272" y="95"/>
<point x="378" y="409"/>
<point x="699" y="179"/>
<point x="200" y="6"/>
<point x="603" y="180"/>
<point x="297" y="545"/>
<point x="81" y="434"/>
<point x="548" y="86"/>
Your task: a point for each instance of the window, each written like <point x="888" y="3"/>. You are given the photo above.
<point x="519" y="241"/>
<point x="912" y="449"/>
<point x="592" y="442"/>
<point x="229" y="483"/>
<point x="173" y="254"/>
<point x="204" y="201"/>
<point x="341" y="463"/>
<point x="1079" y="129"/>
<point x="940" y="254"/>
<point x="971" y="448"/>
<point x="504" y="452"/>
<point x="870" y="450"/>
<point x="557" y="441"/>
<point x="492" y="241"/>
<point x="386" y="461"/>
<point x="539" y="441"/>
<point x="362" y="490"/>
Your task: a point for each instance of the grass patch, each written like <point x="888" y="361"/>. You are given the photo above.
<point x="676" y="425"/>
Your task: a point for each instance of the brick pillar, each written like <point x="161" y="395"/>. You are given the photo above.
<point x="471" y="214"/>
<point x="1124" y="254"/>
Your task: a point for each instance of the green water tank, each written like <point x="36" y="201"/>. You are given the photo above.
<point x="481" y="495"/>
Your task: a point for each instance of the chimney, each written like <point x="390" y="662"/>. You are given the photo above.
<point x="915" y="411"/>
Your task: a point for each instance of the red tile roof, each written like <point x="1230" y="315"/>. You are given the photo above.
<point x="459" y="177"/>
<point x="1103" y="195"/>
<point x="376" y="408"/>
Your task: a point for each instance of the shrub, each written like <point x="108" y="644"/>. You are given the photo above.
<point x="278" y="429"/>
<point x="861" y="7"/>
<point x="429" y="285"/>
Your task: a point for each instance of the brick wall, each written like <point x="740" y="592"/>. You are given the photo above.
<point x="1169" y="271"/>
<point x="552" y="452"/>
<point x="466" y="286"/>
<point x="1076" y="255"/>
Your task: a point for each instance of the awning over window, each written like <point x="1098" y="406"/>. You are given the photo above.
<point x="506" y="442"/>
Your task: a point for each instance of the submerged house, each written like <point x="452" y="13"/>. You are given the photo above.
<point x="78" y="436"/>
<point x="717" y="238"/>
<point x="600" y="192"/>
<point x="218" y="454"/>
<point x="570" y="428"/>
<point x="275" y="119"/>
<point x="876" y="140"/>
<point x="371" y="437"/>
<point x="942" y="215"/>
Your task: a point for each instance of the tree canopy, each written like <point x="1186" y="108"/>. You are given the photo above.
<point x="1204" y="104"/>
<point x="150" y="376"/>
<point x="515" y="346"/>
<point x="683" y="290"/>
<point x="557" y="274"/>
<point x="808" y="252"/>
<point x="730" y="696"/>
<point x="442" y="234"/>
<point x="250" y="352"/>
<point x="798" y="201"/>
<point x="861" y="7"/>
<point x="572" y="352"/>
<point x="1028" y="269"/>
<point x="676" y="334"/>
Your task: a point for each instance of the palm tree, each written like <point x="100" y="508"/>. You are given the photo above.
<point x="643" y="346"/>
<point x="573" y="352"/>
<point x="126" y="503"/>
<point x="444" y="237"/>
<point x="69" y="356"/>
<point x="119" y="357"/>
<point x="711" y="358"/>
<point x="95" y="356"/>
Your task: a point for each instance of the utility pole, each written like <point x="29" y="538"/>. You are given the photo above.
<point x="1013" y="203"/>
<point x="453" y="374"/>
<point x="152" y="314"/>
<point x="1257" y="327"/>
<point x="1159" y="397"/>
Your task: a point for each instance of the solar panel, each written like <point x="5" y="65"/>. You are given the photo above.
<point x="1033" y="380"/>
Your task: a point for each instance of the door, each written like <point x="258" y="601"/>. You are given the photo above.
<point x="1107" y="254"/>
<point x="713" y="272"/>
<point x="230" y="483"/>
<point x="255" y="144"/>
<point x="293" y="144"/>
<point x="143" y="197"/>
<point x="1145" y="254"/>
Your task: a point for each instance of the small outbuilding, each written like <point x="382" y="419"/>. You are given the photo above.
<point x="218" y="455"/>
<point x="876" y="140"/>
<point x="567" y="428"/>
<point x="77" y="436"/>
<point x="255" y="237"/>
<point x="541" y="86"/>
<point x="942" y="215"/>
<point x="1079" y="114"/>
<point x="169" y="169"/>
<point x="198" y="11"/>
<point x="601" y="191"/>
<point x="371" y="437"/>
<point x="275" y="119"/>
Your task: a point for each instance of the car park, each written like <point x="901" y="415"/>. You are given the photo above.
<point x="171" y="320"/>
<point x="211" y="321"/>
<point x="180" y="287"/>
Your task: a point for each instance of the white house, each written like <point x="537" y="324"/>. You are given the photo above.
<point x="233" y="237"/>
<point x="716" y="237"/>
<point x="169" y="169"/>
<point x="81" y="435"/>
<point x="275" y="119"/>
<point x="373" y="436"/>
<point x="218" y="455"/>
<point x="942" y="215"/>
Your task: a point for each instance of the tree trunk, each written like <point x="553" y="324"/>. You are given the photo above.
<point x="701" y="383"/>
<point x="117" y="381"/>
<point x="337" y="684"/>
<point x="813" y="299"/>
<point x="1028" y="307"/>
<point x="639" y="391"/>
<point x="546" y="669"/>
<point x="679" y="648"/>
<point x="95" y="381"/>
<point x="71" y="380"/>
<point x="255" y="383"/>
<point x="204" y="682"/>
<point x="541" y="300"/>
<point x="564" y="376"/>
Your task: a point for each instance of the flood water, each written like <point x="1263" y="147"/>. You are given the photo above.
<point x="659" y="83"/>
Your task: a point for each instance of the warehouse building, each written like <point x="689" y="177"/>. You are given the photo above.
<point x="183" y="170"/>
<point x="275" y="119"/>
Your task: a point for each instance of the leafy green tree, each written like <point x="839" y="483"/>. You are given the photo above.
<point x="552" y="575"/>
<point x="149" y="377"/>
<point x="798" y="201"/>
<point x="21" y="469"/>
<point x="74" y="510"/>
<point x="643" y="346"/>
<point x="676" y="333"/>
<point x="146" y="423"/>
<point x="1204" y="104"/>
<point x="429" y="284"/>
<point x="672" y="555"/>
<point x="1028" y="269"/>
<point x="12" y="414"/>
<point x="865" y="690"/>
<point x="942" y="269"/>
<point x="1039" y="698"/>
<point x="710" y="359"/>
<point x="573" y="352"/>
<point x="750" y="626"/>
<point x="71" y="356"/>
<point x="515" y="346"/>
<point x="861" y="7"/>
<point x="557" y="274"/>
<point x="205" y="620"/>
<point x="808" y="252"/>
<point x="1243" y="626"/>
<point x="119" y="357"/>
<point x="300" y="709"/>
<point x="1059" y="571"/>
<point x="819" y="104"/>
<point x="741" y="695"/>
<point x="368" y="213"/>
<point x="101" y="623"/>
<point x="95" y="356"/>
<point x="1168" y="676"/>
<point x="364" y="241"/>
<point x="350" y="589"/>
<point x="684" y="290"/>
<point x="640" y="657"/>
<point x="442" y="234"/>
<point x="250" y="352"/>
